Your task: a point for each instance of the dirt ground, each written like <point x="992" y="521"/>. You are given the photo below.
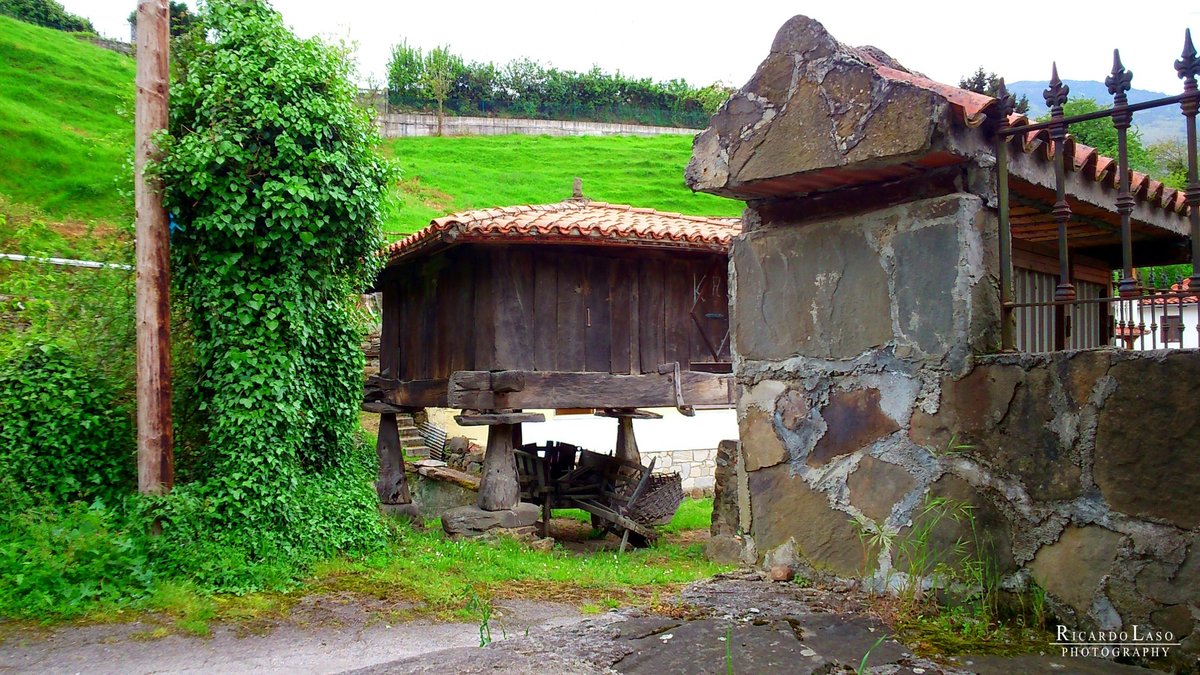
<point x="738" y="622"/>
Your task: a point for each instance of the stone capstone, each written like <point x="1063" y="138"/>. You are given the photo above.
<point x="813" y="105"/>
<point x="1147" y="463"/>
<point x="1071" y="568"/>
<point x="854" y="421"/>
<point x="471" y="521"/>
<point x="876" y="486"/>
<point x="786" y="509"/>
<point x="760" y="444"/>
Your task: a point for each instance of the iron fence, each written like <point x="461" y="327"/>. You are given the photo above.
<point x="1120" y="317"/>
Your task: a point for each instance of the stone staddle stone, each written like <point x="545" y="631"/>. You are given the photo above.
<point x="472" y="521"/>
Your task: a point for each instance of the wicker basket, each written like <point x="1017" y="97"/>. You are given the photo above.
<point x="657" y="505"/>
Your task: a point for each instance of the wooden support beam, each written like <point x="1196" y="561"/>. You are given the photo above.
<point x="410" y="394"/>
<point x="592" y="390"/>
<point x="155" y="459"/>
<point x="392" y="484"/>
<point x="493" y="419"/>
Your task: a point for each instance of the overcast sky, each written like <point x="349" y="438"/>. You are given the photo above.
<point x="705" y="42"/>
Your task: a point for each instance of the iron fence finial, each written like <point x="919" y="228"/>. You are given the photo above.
<point x="1120" y="80"/>
<point x="1005" y="100"/>
<point x="1056" y="95"/>
<point x="1188" y="67"/>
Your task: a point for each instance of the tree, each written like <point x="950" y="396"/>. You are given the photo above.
<point x="988" y="84"/>
<point x="46" y="13"/>
<point x="1170" y="160"/>
<point x="1102" y="135"/>
<point x="405" y="70"/>
<point x="182" y="19"/>
<point x="276" y="184"/>
<point x="441" y="69"/>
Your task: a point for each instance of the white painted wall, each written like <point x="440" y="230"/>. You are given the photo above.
<point x="1191" y="338"/>
<point x="680" y="444"/>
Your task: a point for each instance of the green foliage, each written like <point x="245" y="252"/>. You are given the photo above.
<point x="62" y="430"/>
<point x="63" y="561"/>
<point x="272" y="174"/>
<point x="988" y="84"/>
<point x="443" y="175"/>
<point x="1102" y="135"/>
<point x="182" y="19"/>
<point x="525" y="88"/>
<point x="66" y="124"/>
<point x="46" y="13"/>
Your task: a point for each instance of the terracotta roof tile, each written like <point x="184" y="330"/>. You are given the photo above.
<point x="573" y="221"/>
<point x="973" y="109"/>
<point x="1182" y="287"/>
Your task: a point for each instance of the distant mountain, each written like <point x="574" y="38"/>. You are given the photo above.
<point x="1155" y="125"/>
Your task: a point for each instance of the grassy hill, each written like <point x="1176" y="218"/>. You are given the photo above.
<point x="442" y="175"/>
<point x="66" y="124"/>
<point x="66" y="137"/>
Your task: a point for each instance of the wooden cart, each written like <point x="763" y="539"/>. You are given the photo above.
<point x="559" y="475"/>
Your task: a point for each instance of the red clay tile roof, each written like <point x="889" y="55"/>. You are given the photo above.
<point x="1181" y="287"/>
<point x="573" y="222"/>
<point x="973" y="110"/>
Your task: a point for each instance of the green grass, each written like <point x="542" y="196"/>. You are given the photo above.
<point x="693" y="514"/>
<point x="443" y="175"/>
<point x="66" y="128"/>
<point x="66" y="135"/>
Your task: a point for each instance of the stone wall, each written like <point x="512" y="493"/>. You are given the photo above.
<point x="695" y="467"/>
<point x="1082" y="470"/>
<point x="860" y="343"/>
<point x="411" y="124"/>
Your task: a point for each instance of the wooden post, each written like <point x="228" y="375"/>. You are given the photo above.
<point x="392" y="484"/>
<point x="156" y="473"/>
<point x="627" y="448"/>
<point x="498" y="488"/>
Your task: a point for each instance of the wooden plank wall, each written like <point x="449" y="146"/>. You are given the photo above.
<point x="567" y="309"/>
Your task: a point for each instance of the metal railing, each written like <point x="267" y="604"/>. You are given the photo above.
<point x="1130" y="291"/>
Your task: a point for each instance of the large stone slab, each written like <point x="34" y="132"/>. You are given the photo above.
<point x="925" y="275"/>
<point x="1071" y="568"/>
<point x="814" y="291"/>
<point x="1148" y="440"/>
<point x="854" y="420"/>
<point x="761" y="446"/>
<point x="471" y="521"/>
<point x="876" y="486"/>
<point x="784" y="507"/>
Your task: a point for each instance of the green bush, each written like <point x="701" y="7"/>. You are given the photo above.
<point x="46" y="13"/>
<point x="63" y="431"/>
<point x="65" y="560"/>
<point x="273" y="175"/>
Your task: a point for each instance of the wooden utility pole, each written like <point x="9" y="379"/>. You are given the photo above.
<point x="156" y="471"/>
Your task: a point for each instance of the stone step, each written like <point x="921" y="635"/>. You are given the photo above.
<point x="415" y="450"/>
